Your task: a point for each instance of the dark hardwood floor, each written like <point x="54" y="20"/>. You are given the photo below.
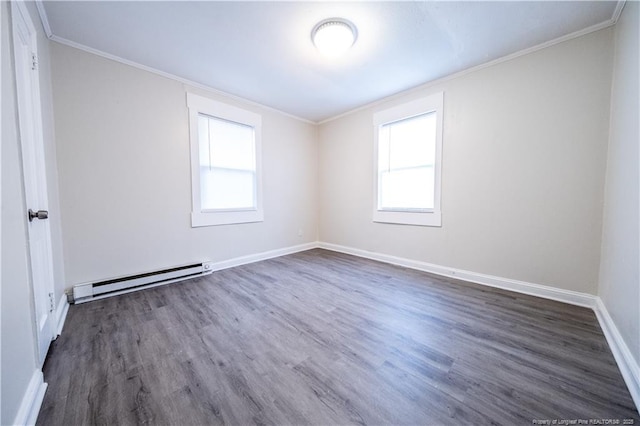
<point x="324" y="338"/>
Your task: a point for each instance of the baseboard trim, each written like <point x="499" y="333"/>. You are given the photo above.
<point x="560" y="295"/>
<point x="626" y="363"/>
<point x="31" y="400"/>
<point x="61" y="313"/>
<point x="257" y="257"/>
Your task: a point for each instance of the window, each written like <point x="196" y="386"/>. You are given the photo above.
<point x="225" y="163"/>
<point x="408" y="151"/>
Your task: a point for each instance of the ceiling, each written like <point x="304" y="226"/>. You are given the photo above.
<point x="262" y="51"/>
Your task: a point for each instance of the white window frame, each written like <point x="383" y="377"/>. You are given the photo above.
<point x="422" y="217"/>
<point x="200" y="105"/>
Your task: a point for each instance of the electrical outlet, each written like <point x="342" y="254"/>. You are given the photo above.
<point x="299" y="232"/>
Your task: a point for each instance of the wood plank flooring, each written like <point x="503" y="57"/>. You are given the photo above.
<point x="324" y="338"/>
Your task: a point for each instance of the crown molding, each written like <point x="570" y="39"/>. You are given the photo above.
<point x="44" y="19"/>
<point x="597" y="27"/>
<point x="618" y="11"/>
<point x="174" y="77"/>
<point x="47" y="29"/>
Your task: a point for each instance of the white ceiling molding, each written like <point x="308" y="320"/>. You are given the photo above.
<point x="44" y="19"/>
<point x="285" y="76"/>
<point x="618" y="11"/>
<point x="459" y="74"/>
<point x="173" y="77"/>
<point x="47" y="28"/>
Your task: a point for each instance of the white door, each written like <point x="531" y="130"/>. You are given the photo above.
<point x="33" y="165"/>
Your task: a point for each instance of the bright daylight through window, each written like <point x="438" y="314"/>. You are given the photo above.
<point x="408" y="153"/>
<point x="225" y="163"/>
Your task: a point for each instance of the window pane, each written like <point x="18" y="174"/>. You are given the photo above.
<point x="407" y="189"/>
<point x="226" y="189"/>
<point x="406" y="160"/>
<point x="227" y="164"/>
<point x="408" y="143"/>
<point x="232" y="145"/>
<point x="226" y="144"/>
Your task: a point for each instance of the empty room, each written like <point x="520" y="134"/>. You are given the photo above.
<point x="320" y="213"/>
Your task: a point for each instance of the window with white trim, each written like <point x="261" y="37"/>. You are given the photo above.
<point x="408" y="153"/>
<point x="225" y="163"/>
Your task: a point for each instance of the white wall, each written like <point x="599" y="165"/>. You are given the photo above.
<point x="524" y="155"/>
<point x="619" y="266"/>
<point x="125" y="190"/>
<point x="525" y="148"/>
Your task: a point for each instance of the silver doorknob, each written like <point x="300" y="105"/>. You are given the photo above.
<point x="40" y="214"/>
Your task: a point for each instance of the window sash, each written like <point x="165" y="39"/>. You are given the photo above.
<point x="246" y="208"/>
<point x="220" y="193"/>
<point x="226" y="149"/>
<point x="408" y="211"/>
<point x="428" y="192"/>
<point x="405" y="147"/>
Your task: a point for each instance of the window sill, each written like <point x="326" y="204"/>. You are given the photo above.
<point x="199" y="219"/>
<point x="408" y="218"/>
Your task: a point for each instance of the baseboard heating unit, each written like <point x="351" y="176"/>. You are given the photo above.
<point x="112" y="287"/>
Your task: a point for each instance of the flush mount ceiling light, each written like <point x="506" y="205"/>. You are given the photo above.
<point x="334" y="36"/>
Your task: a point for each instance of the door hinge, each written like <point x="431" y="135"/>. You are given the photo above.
<point x="52" y="304"/>
<point x="34" y="62"/>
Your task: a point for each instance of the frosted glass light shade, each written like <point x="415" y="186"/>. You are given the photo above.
<point x="333" y="37"/>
